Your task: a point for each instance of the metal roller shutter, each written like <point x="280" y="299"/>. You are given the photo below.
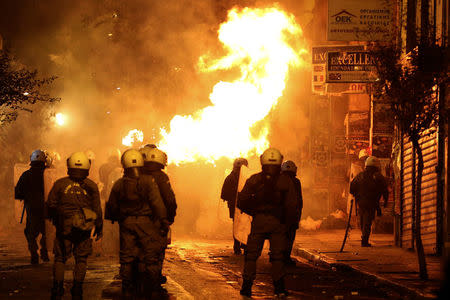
<point x="429" y="193"/>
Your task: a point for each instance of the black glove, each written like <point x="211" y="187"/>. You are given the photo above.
<point x="98" y="232"/>
<point x="164" y="229"/>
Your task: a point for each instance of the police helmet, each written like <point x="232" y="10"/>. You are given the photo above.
<point x="372" y="161"/>
<point x="132" y="158"/>
<point x="38" y="155"/>
<point x="78" y="160"/>
<point x="289" y="166"/>
<point x="271" y="156"/>
<point x="154" y="155"/>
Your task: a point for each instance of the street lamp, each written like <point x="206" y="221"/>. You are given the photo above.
<point x="60" y="119"/>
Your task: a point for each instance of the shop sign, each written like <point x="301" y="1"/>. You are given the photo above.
<point x="319" y="64"/>
<point x="357" y="20"/>
<point x="350" y="66"/>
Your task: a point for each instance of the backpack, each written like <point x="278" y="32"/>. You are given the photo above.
<point x="84" y="218"/>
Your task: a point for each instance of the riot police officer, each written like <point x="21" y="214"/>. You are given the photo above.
<point x="290" y="169"/>
<point x="367" y="188"/>
<point x="74" y="208"/>
<point x="229" y="194"/>
<point x="155" y="161"/>
<point x="135" y="202"/>
<point x="30" y="189"/>
<point x="265" y="197"/>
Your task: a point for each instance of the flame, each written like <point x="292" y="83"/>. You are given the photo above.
<point x="257" y="44"/>
<point x="132" y="137"/>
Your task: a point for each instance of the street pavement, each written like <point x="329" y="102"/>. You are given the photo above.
<point x="196" y="269"/>
<point x="385" y="261"/>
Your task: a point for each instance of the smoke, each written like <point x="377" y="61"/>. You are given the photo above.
<point x="133" y="64"/>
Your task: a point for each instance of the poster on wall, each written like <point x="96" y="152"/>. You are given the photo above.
<point x="382" y="145"/>
<point x="356" y="20"/>
<point x="357" y="125"/>
<point x="383" y="122"/>
<point x="355" y="144"/>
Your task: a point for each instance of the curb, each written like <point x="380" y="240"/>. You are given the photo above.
<point x="327" y="262"/>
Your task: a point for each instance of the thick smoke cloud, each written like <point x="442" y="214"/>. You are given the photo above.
<point x="133" y="64"/>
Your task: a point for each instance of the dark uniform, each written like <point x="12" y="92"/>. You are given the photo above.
<point x="66" y="198"/>
<point x="137" y="205"/>
<point x="367" y="188"/>
<point x="264" y="198"/>
<point x="167" y="194"/>
<point x="165" y="189"/>
<point x="229" y="194"/>
<point x="30" y="189"/>
<point x="292" y="228"/>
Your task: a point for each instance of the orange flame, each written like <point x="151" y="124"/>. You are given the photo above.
<point x="132" y="137"/>
<point x="257" y="44"/>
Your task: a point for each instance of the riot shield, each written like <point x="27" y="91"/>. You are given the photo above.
<point x="50" y="176"/>
<point x="19" y="169"/>
<point x="110" y="240"/>
<point x="242" y="222"/>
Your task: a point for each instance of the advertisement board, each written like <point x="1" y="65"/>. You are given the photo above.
<point x="350" y="66"/>
<point x="356" y="20"/>
<point x="319" y="64"/>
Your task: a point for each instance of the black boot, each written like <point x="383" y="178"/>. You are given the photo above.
<point x="280" y="290"/>
<point x="77" y="290"/>
<point x="44" y="255"/>
<point x="57" y="290"/>
<point x="159" y="293"/>
<point x="246" y="289"/>
<point x="127" y="294"/>
<point x="34" y="258"/>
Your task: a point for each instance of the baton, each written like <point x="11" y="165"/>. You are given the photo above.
<point x="23" y="212"/>
<point x="348" y="226"/>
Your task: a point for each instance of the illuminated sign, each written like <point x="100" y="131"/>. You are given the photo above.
<point x="351" y="66"/>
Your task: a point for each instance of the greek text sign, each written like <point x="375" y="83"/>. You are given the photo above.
<point x="360" y="20"/>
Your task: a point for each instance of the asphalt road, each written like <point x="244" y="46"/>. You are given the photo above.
<point x="196" y="269"/>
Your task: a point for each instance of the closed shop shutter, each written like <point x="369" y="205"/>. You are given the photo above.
<point x="429" y="193"/>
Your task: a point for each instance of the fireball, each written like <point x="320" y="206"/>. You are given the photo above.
<point x="132" y="137"/>
<point x="259" y="45"/>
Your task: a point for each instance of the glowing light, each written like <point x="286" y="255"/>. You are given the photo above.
<point x="258" y="45"/>
<point x="60" y="119"/>
<point x="118" y="88"/>
<point x="132" y="137"/>
<point x="26" y="94"/>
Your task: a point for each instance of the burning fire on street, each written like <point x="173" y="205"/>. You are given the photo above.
<point x="259" y="43"/>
